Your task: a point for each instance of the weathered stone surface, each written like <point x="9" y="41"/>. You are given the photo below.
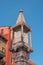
<point x="20" y="42"/>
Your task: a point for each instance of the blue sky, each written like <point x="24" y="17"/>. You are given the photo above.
<point x="33" y="12"/>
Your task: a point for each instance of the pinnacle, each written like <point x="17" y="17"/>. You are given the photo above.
<point x="20" y="19"/>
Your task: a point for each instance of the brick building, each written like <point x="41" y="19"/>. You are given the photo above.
<point x="14" y="43"/>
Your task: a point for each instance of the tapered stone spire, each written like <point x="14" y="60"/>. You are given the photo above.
<point x="21" y="47"/>
<point x="21" y="19"/>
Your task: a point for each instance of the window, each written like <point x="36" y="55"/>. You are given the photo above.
<point x="2" y="31"/>
<point x="11" y="60"/>
<point x="2" y="46"/>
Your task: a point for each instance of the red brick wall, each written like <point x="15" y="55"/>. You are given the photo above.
<point x="7" y="34"/>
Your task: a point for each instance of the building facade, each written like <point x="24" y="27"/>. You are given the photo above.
<point x="17" y="44"/>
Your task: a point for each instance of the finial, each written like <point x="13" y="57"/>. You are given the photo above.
<point x="21" y="10"/>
